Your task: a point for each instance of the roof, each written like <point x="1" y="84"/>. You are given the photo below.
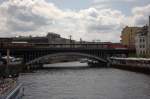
<point x="143" y="31"/>
<point x="19" y="42"/>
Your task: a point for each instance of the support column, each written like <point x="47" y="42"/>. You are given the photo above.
<point x="7" y="64"/>
<point x="8" y="56"/>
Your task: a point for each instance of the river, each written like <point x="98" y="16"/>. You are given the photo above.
<point x="85" y="83"/>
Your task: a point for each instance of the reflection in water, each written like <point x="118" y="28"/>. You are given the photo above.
<point x="90" y="83"/>
<point x="66" y="64"/>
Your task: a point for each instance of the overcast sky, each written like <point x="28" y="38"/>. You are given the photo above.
<point x="87" y="19"/>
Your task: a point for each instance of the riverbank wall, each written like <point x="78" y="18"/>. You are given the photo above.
<point x="6" y="70"/>
<point x="145" y="70"/>
<point x="132" y="64"/>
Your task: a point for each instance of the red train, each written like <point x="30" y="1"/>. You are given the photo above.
<point x="117" y="46"/>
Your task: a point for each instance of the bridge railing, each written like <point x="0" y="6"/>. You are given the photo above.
<point x="70" y="45"/>
<point x="46" y="45"/>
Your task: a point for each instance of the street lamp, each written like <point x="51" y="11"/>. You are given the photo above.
<point x="70" y="37"/>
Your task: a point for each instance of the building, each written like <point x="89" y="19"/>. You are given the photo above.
<point x="148" y="39"/>
<point x="4" y="41"/>
<point x="143" y="41"/>
<point x="53" y="38"/>
<point x="31" y="39"/>
<point x="57" y="39"/>
<point x="50" y="38"/>
<point x="128" y="36"/>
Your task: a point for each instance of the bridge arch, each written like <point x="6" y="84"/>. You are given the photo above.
<point x="67" y="54"/>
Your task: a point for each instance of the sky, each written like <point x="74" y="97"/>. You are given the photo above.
<point x="101" y="20"/>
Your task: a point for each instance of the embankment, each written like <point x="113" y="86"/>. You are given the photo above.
<point x="135" y="68"/>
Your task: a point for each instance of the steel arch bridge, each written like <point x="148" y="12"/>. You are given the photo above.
<point x="32" y="55"/>
<point x="37" y="60"/>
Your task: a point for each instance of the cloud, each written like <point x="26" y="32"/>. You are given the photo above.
<point x="111" y="3"/>
<point x="96" y="1"/>
<point x="140" y="15"/>
<point x="37" y="17"/>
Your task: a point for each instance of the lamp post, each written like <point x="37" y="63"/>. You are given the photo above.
<point x="8" y="56"/>
<point x="8" y="61"/>
<point x="70" y="37"/>
<point x="80" y="40"/>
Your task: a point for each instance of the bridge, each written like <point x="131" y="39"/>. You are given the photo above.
<point x="36" y="53"/>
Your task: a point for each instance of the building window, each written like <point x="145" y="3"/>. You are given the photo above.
<point x="141" y="52"/>
<point x="143" y="40"/>
<point x="140" y="40"/>
<point x="143" y="46"/>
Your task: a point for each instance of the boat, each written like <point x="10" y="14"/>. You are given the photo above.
<point x="93" y="63"/>
<point x="83" y="60"/>
<point x="12" y="60"/>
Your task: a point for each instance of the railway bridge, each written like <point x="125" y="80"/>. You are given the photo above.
<point x="36" y="54"/>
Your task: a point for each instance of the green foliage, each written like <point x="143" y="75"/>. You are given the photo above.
<point x="133" y="55"/>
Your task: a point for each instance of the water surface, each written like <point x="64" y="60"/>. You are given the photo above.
<point x="86" y="83"/>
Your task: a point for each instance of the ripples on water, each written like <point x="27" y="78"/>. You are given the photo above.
<point x="86" y="83"/>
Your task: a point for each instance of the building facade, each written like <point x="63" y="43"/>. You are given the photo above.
<point x="30" y="39"/>
<point x="4" y="42"/>
<point x="143" y="41"/>
<point x="128" y="36"/>
<point x="57" y="39"/>
<point x="148" y="39"/>
<point x="50" y="38"/>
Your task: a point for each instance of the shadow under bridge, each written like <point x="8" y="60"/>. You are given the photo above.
<point x="40" y="60"/>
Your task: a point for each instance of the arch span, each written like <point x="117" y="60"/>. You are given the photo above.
<point x="68" y="54"/>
